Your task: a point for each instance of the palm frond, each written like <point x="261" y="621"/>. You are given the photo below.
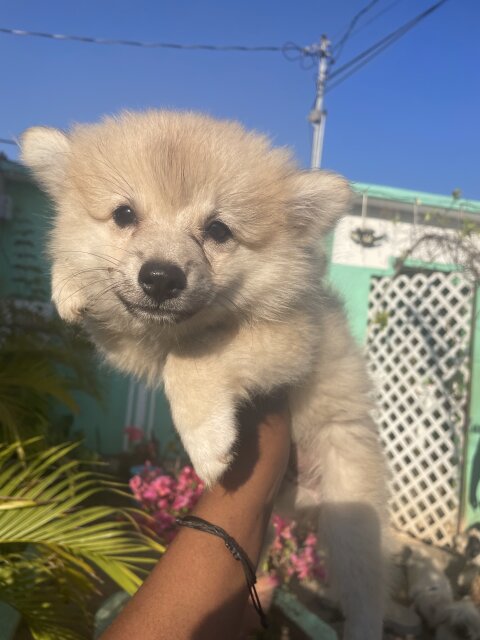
<point x="45" y="508"/>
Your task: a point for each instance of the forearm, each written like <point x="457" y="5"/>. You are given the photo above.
<point x="198" y="590"/>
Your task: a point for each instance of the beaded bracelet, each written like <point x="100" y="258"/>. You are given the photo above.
<point x="193" y="522"/>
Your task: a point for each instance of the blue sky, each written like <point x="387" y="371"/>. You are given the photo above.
<point x="409" y="119"/>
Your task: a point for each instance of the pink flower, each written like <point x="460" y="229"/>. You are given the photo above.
<point x="166" y="497"/>
<point x="165" y="525"/>
<point x="310" y="540"/>
<point x="294" y="553"/>
<point x="187" y="478"/>
<point x="272" y="581"/>
<point x="135" y="483"/>
<point x="277" y="544"/>
<point x="163" y="485"/>
<point x="149" y="493"/>
<point x="134" y="434"/>
<point x="163" y="504"/>
<point x="279" y="524"/>
<point x="181" y="502"/>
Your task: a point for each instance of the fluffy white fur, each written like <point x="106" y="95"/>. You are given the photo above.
<point x="255" y="314"/>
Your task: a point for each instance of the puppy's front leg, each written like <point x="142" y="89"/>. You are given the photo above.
<point x="203" y="405"/>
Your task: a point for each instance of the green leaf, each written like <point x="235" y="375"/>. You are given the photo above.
<point x="68" y="543"/>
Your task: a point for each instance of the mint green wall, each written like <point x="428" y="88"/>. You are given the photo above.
<point x="29" y="223"/>
<point x="353" y="285"/>
<point x="102" y="422"/>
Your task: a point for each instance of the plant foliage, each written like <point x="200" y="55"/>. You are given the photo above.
<point x="42" y="361"/>
<point x="56" y="544"/>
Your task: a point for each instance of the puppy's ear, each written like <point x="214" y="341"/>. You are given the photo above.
<point x="45" y="151"/>
<point x="320" y="200"/>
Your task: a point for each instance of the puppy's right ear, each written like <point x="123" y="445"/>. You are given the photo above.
<point x="45" y="151"/>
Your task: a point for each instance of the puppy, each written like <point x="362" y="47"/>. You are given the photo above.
<point x="191" y="250"/>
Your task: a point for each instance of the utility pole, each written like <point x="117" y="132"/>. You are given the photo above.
<point x="318" y="115"/>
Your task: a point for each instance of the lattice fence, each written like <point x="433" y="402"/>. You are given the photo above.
<point x="418" y="347"/>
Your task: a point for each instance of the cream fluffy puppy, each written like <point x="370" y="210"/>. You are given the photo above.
<point x="191" y="250"/>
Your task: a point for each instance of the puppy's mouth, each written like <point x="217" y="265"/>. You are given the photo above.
<point x="154" y="313"/>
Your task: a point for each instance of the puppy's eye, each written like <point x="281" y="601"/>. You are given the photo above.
<point x="218" y="231"/>
<point x="124" y="216"/>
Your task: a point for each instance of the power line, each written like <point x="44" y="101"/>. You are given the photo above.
<point x="348" y="32"/>
<point x="377" y="15"/>
<point x="157" y="45"/>
<point x="312" y="52"/>
<point x="391" y="36"/>
<point x="363" y="58"/>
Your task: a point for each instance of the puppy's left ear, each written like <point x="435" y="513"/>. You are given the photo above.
<point x="321" y="198"/>
<point x="45" y="151"/>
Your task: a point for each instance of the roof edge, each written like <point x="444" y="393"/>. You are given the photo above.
<point x="419" y="198"/>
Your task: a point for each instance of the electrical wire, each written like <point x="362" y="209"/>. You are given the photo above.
<point x="377" y="15"/>
<point x="363" y="58"/>
<point x="290" y="50"/>
<point x="348" y="32"/>
<point x="394" y="34"/>
<point x="155" y="45"/>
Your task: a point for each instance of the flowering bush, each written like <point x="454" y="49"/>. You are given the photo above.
<point x="164" y="496"/>
<point x="294" y="553"/>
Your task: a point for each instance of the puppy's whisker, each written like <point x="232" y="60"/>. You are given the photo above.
<point x="83" y="271"/>
<point x="231" y="308"/>
<point x="101" y="293"/>
<point x="117" y="173"/>
<point x="232" y="304"/>
<point x="106" y="163"/>
<point x="132" y="253"/>
<point x="70" y="277"/>
<point x="121" y="192"/>
<point x="74" y="293"/>
<point x="114" y="188"/>
<point x="111" y="259"/>
<point x="142" y="339"/>
<point x="88" y="284"/>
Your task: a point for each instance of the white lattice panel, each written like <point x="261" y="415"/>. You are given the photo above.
<point x="418" y="349"/>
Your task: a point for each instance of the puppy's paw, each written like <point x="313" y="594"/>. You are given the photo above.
<point x="210" y="448"/>
<point x="210" y="471"/>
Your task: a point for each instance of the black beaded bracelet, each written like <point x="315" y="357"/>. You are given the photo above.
<point x="237" y="552"/>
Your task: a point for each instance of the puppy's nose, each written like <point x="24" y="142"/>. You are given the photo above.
<point x="161" y="280"/>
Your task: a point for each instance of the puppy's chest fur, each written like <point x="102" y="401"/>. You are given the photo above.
<point x="254" y="357"/>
